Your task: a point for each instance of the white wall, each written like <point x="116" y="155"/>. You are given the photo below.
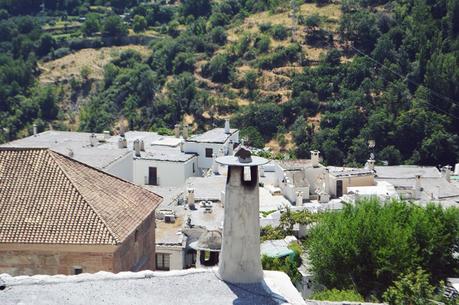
<point x="169" y="173"/>
<point x="122" y="168"/>
<point x="176" y="255"/>
<point x="200" y="149"/>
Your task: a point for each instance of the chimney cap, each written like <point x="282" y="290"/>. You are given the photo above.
<point x="243" y="157"/>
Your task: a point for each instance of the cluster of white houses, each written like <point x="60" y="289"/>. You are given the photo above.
<point x="184" y="171"/>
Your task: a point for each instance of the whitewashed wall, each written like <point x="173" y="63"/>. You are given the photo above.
<point x="122" y="168"/>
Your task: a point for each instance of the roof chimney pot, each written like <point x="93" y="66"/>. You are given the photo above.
<point x="35" y="130"/>
<point x="227" y="126"/>
<point x="137" y="147"/>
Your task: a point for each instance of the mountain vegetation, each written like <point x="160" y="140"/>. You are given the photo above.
<point x="293" y="75"/>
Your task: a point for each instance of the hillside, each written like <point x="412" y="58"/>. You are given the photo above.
<point x="294" y="76"/>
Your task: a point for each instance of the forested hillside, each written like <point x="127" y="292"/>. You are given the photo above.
<point x="292" y="75"/>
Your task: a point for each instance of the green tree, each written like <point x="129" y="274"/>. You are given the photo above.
<point x="114" y="26"/>
<point x="369" y="245"/>
<point x="196" y="7"/>
<point x="91" y="25"/>
<point x="139" y="24"/>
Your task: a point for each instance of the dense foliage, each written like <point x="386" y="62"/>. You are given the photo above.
<point x="368" y="246"/>
<point x="389" y="71"/>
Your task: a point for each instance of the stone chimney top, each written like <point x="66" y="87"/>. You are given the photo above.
<point x="315" y="158"/>
<point x="35" y="130"/>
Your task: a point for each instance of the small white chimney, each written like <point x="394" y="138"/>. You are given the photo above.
<point x="137" y="148"/>
<point x="371" y="164"/>
<point x="35" y="130"/>
<point x="262" y="171"/>
<point x="106" y="134"/>
<point x="190" y="197"/>
<point x="177" y="130"/>
<point x="93" y="140"/>
<point x="214" y="165"/>
<point x="315" y="158"/>
<point x="182" y="146"/>
<point x="227" y="126"/>
<point x="417" y="187"/>
<point x="446" y="172"/>
<point x="230" y="148"/>
<point x="456" y="169"/>
<point x="185" y="131"/>
<point x="122" y="142"/>
<point x="142" y="145"/>
<point x="299" y="199"/>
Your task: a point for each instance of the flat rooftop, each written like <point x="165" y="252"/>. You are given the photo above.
<point x="216" y="135"/>
<point x="293" y="165"/>
<point x="407" y="171"/>
<point x="191" y="287"/>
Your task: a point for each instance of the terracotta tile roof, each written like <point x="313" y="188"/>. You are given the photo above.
<point x="46" y="197"/>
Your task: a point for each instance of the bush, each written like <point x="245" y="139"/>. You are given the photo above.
<point x="218" y="35"/>
<point x="218" y="69"/>
<point x="114" y="26"/>
<point x="336" y="295"/>
<point x="139" y="24"/>
<point x="369" y="245"/>
<point x="279" y="32"/>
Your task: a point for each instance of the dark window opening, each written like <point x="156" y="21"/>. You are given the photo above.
<point x="209" y="258"/>
<point x="339" y="188"/>
<point x="163" y="261"/>
<point x="152" y="176"/>
<point x="77" y="270"/>
<point x="136" y="233"/>
<point x="209" y="152"/>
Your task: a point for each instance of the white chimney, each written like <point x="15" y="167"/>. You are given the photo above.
<point x="299" y="199"/>
<point x="190" y="197"/>
<point x="35" y="130"/>
<point x="417" y="187"/>
<point x="227" y="126"/>
<point x="182" y="146"/>
<point x="185" y="131"/>
<point x="106" y="134"/>
<point x="446" y="171"/>
<point x="93" y="140"/>
<point x="177" y="130"/>
<point x="137" y="148"/>
<point x="240" y="253"/>
<point x="456" y="169"/>
<point x="315" y="158"/>
<point x="122" y="142"/>
<point x="214" y="165"/>
<point x="230" y="148"/>
<point x="142" y="145"/>
<point x="371" y="164"/>
<point x="262" y="171"/>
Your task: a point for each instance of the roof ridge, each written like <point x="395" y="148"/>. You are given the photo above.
<point x="103" y="172"/>
<point x="50" y="152"/>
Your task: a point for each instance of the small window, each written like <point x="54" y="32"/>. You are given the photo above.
<point x="162" y="261"/>
<point x="209" y="152"/>
<point x="77" y="270"/>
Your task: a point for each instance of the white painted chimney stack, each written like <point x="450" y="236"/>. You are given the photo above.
<point x="106" y="134"/>
<point x="456" y="169"/>
<point x="315" y="158"/>
<point x="35" y="130"/>
<point x="371" y="164"/>
<point x="137" y="148"/>
<point x="190" y="197"/>
<point x="227" y="126"/>
<point x="299" y="199"/>
<point x="214" y="164"/>
<point x="446" y="170"/>
<point x="230" y="148"/>
<point x="142" y="145"/>
<point x="417" y="187"/>
<point x="185" y="131"/>
<point x="122" y="142"/>
<point x="93" y="140"/>
<point x="240" y="254"/>
<point x="262" y="171"/>
<point x="177" y="130"/>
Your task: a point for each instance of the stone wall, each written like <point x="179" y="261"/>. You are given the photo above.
<point x="53" y="261"/>
<point x="137" y="252"/>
